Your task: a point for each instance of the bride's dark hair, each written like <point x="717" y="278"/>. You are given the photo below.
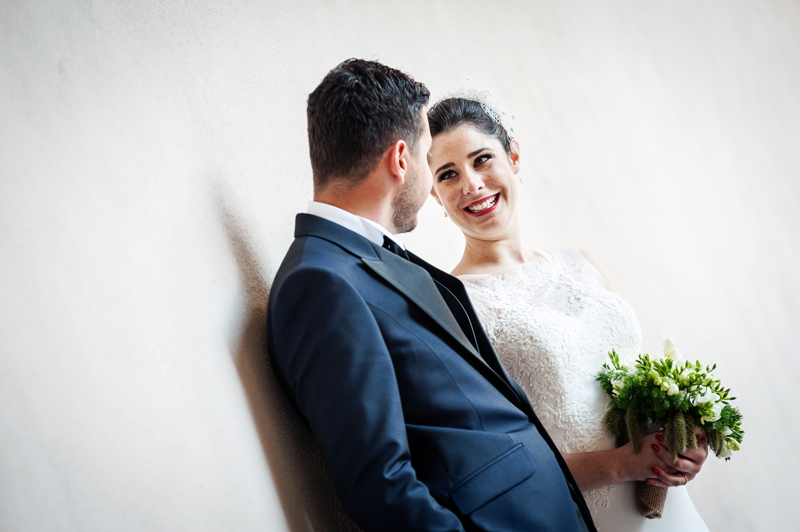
<point x="448" y="114"/>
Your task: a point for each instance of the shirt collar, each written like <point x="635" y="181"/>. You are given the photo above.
<point x="372" y="231"/>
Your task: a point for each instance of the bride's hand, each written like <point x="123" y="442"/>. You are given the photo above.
<point x="685" y="468"/>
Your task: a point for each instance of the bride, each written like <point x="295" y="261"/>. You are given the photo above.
<point x="552" y="317"/>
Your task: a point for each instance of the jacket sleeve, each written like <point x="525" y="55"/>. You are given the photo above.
<point x="331" y="354"/>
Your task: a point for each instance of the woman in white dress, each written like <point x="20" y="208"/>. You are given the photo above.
<point x="552" y="317"/>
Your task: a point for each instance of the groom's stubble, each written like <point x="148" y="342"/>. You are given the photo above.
<point x="419" y="181"/>
<point x="406" y="206"/>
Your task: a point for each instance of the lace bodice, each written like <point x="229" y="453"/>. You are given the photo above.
<point x="552" y="323"/>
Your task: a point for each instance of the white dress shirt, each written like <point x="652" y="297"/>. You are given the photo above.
<point x="370" y="230"/>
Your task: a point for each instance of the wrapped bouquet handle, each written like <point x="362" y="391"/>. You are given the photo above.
<point x="667" y="393"/>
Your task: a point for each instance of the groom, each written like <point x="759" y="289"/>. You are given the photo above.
<point x="383" y="354"/>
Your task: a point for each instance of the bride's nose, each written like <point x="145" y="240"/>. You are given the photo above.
<point x="473" y="183"/>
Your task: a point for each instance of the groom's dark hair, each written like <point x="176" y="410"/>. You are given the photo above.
<point x="358" y="110"/>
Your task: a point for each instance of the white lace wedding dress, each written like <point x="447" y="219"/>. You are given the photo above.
<point x="552" y="323"/>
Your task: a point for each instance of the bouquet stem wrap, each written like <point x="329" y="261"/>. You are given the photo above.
<point x="651" y="500"/>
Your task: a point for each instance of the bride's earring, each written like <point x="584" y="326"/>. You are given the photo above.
<point x="516" y="171"/>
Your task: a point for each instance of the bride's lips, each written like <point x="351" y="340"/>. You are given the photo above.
<point x="482" y="206"/>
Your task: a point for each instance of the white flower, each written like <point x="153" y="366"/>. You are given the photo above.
<point x="618" y="385"/>
<point x="728" y="447"/>
<point x="708" y="396"/>
<point x="714" y="413"/>
<point x="668" y="385"/>
<point x="670" y="351"/>
<point x="669" y="347"/>
<point x="725" y="452"/>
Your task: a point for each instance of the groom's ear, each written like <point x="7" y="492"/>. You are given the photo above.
<point x="398" y="154"/>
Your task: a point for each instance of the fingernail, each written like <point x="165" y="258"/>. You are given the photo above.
<point x="649" y="482"/>
<point x="655" y="447"/>
<point x="655" y="470"/>
<point x="660" y="438"/>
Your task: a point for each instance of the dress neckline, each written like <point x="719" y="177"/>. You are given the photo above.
<point x="476" y="276"/>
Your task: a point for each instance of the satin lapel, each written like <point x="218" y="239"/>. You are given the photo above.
<point x="415" y="283"/>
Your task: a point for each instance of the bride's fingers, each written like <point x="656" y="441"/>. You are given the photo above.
<point x="670" y="480"/>
<point x="686" y="462"/>
<point x="663" y="453"/>
<point x="657" y="483"/>
<point x="690" y="462"/>
<point x="698" y="455"/>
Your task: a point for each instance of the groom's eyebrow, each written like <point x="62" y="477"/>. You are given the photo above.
<point x="469" y="156"/>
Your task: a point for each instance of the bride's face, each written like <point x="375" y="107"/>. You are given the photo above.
<point x="475" y="180"/>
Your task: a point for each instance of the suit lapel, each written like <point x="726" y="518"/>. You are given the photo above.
<point x="415" y="283"/>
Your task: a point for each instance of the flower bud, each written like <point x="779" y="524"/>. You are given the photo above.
<point x="669" y="346"/>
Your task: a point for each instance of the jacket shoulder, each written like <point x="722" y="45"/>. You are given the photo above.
<point x="310" y="256"/>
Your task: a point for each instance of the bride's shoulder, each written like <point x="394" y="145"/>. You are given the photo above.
<point x="582" y="260"/>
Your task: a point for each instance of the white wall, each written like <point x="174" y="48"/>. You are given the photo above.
<point x="152" y="157"/>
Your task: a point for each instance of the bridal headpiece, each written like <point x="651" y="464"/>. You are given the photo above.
<point x="490" y="105"/>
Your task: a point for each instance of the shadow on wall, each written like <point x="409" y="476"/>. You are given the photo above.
<point x="302" y="480"/>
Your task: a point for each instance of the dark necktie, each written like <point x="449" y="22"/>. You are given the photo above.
<point x="392" y="246"/>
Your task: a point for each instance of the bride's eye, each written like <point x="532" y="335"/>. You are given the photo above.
<point x="446" y="175"/>
<point x="479" y="160"/>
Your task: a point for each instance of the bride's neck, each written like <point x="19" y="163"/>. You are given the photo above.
<point x="493" y="256"/>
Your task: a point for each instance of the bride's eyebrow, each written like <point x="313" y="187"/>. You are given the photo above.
<point x="443" y="167"/>
<point x="476" y="152"/>
<point x="469" y="156"/>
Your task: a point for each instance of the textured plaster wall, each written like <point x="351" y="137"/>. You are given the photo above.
<point x="152" y="158"/>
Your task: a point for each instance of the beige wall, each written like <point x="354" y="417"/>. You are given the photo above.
<point x="152" y="157"/>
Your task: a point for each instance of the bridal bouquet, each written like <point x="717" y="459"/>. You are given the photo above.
<point x="674" y="395"/>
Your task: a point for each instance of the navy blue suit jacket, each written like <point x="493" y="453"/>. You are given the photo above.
<point x="420" y="425"/>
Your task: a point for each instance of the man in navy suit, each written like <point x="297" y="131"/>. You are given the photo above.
<point x="383" y="355"/>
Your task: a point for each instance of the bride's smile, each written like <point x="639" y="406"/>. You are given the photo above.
<point x="484" y="206"/>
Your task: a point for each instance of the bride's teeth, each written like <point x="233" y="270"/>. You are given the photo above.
<point x="485" y="205"/>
